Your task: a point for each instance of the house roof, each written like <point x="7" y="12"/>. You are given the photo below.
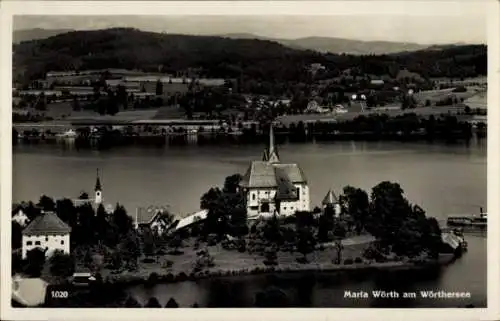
<point x="146" y="215"/>
<point x="190" y="219"/>
<point x="29" y="291"/>
<point x="330" y="198"/>
<point x="47" y="224"/>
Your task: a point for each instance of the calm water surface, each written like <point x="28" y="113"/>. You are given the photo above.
<point x="441" y="179"/>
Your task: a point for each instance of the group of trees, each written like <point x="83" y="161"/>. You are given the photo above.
<point x="226" y="209"/>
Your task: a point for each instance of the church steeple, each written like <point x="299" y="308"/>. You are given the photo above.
<point x="98" y="186"/>
<point x="272" y="153"/>
<point x="98" y="190"/>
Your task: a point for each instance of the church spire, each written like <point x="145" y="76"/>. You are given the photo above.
<point x="98" y="190"/>
<point x="98" y="186"/>
<point x="272" y="155"/>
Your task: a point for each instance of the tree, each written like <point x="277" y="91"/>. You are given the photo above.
<point x="16" y="235"/>
<point x="306" y="242"/>
<point x="159" y="88"/>
<point x="66" y="211"/>
<point x="357" y="206"/>
<point x="131" y="302"/>
<point x="129" y="250"/>
<point x="326" y="223"/>
<point x="399" y="226"/>
<point x="231" y="183"/>
<point x="76" y="104"/>
<point x="303" y="219"/>
<point x="121" y="220"/>
<point x="148" y="244"/>
<point x="62" y="265"/>
<point x="338" y="249"/>
<point x="271" y="256"/>
<point x="46" y="203"/>
<point x="153" y="303"/>
<point x="83" y="196"/>
<point x="35" y="259"/>
<point x="101" y="224"/>
<point x="271" y="230"/>
<point x="171" y="303"/>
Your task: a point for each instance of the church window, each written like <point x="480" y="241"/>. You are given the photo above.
<point x="264" y="207"/>
<point x="62" y="242"/>
<point x="29" y="243"/>
<point x="46" y="239"/>
<point x="253" y="197"/>
<point x="37" y="242"/>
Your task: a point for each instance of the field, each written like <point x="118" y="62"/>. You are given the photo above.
<point x="232" y="260"/>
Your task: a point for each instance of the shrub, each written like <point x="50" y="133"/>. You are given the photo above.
<point x="302" y="260"/>
<point x="169" y="277"/>
<point x="348" y="261"/>
<point x="153" y="278"/>
<point x="212" y="239"/>
<point x="153" y="303"/>
<point x="182" y="277"/>
<point x="131" y="302"/>
<point x="167" y="264"/>
<point x="175" y="252"/>
<point x="358" y="260"/>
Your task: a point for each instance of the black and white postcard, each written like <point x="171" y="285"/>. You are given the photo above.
<point x="250" y="155"/>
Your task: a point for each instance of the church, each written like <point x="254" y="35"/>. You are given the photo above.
<point x="272" y="187"/>
<point x="97" y="199"/>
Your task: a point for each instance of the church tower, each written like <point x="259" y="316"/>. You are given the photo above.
<point x="272" y="152"/>
<point x="98" y="190"/>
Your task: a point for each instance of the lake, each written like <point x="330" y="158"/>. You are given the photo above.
<point x="442" y="179"/>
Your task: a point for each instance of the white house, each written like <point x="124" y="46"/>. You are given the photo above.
<point x="152" y="218"/>
<point x="272" y="187"/>
<point x="21" y="218"/>
<point x="47" y="232"/>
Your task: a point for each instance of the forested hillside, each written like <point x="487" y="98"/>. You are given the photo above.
<point x="225" y="57"/>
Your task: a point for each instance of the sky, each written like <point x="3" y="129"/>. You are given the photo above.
<point x="424" y="29"/>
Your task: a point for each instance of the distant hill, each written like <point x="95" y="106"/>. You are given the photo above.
<point x="339" y="45"/>
<point x="134" y="49"/>
<point x="19" y="36"/>
<point x="225" y="57"/>
<point x="321" y="44"/>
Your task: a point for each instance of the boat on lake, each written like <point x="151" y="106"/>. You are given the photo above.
<point x="480" y="221"/>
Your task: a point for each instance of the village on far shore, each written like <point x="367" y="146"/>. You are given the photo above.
<point x="257" y="223"/>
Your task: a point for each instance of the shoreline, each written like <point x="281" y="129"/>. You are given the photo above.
<point x="131" y="279"/>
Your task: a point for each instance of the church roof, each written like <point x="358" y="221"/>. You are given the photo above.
<point x="264" y="174"/>
<point x="47" y="224"/>
<point x="285" y="188"/>
<point x="330" y="198"/>
<point x="259" y="174"/>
